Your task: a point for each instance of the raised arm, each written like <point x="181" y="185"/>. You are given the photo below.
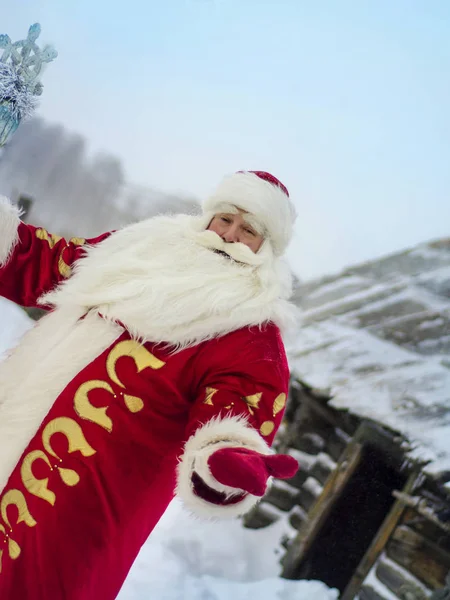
<point x="33" y="261"/>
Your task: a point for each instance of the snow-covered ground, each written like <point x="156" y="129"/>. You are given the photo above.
<point x="190" y="559"/>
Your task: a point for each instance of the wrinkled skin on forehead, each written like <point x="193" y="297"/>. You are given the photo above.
<point x="237" y="226"/>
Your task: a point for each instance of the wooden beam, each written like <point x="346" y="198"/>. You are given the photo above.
<point x="424" y="559"/>
<point x="379" y="542"/>
<point x="321" y="509"/>
<point x="401" y="583"/>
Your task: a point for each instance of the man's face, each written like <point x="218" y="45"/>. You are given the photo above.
<point x="237" y="227"/>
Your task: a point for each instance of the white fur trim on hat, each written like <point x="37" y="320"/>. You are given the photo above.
<point x="229" y="432"/>
<point x="9" y="225"/>
<point x="266" y="201"/>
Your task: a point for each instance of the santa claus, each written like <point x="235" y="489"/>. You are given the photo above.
<point x="159" y="369"/>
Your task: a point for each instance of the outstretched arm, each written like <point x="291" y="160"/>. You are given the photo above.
<point x="227" y="461"/>
<point x="33" y="261"/>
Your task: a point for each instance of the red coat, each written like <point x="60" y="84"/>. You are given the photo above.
<point x="102" y="467"/>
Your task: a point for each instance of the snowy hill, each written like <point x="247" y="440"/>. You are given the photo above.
<point x="376" y="338"/>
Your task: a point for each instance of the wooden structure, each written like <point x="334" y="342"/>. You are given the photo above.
<point x="365" y="519"/>
<point x="367" y="513"/>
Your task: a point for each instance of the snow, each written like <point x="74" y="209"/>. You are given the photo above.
<point x="186" y="558"/>
<point x="303" y="458"/>
<point x="193" y="559"/>
<point x="313" y="486"/>
<point x="379" y="380"/>
<point x="383" y="591"/>
<point x="338" y="286"/>
<point x="371" y="581"/>
<point x="365" y="352"/>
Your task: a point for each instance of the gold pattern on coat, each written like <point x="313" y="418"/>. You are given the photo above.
<point x="17" y="499"/>
<point x="13" y="547"/>
<point x="252" y="402"/>
<point x="73" y="433"/>
<point x="209" y="393"/>
<point x="86" y="410"/>
<point x="37" y="487"/>
<point x="63" y="268"/>
<point x="279" y="404"/>
<point x="77" y="241"/>
<point x="142" y="359"/>
<point x="69" y="476"/>
<point x="267" y="427"/>
<point x="50" y="238"/>
<point x="14" y="498"/>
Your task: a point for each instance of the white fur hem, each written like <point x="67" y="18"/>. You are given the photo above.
<point x="55" y="350"/>
<point x="230" y="432"/>
<point x="9" y="225"/>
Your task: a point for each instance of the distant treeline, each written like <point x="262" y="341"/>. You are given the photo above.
<point x="74" y="193"/>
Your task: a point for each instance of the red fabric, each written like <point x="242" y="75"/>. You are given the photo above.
<point x="84" y="544"/>
<point x="38" y="263"/>
<point x="84" y="532"/>
<point x="249" y="470"/>
<point x="270" y="178"/>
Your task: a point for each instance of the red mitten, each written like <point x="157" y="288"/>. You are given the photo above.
<point x="248" y="470"/>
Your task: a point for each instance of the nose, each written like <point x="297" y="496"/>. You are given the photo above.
<point x="231" y="234"/>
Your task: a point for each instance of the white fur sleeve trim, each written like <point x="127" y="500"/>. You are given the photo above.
<point x="229" y="432"/>
<point x="9" y="225"/>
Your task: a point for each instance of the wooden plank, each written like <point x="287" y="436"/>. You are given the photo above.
<point x="399" y="582"/>
<point x="425" y="560"/>
<point x="378" y="543"/>
<point x="427" y="528"/>
<point x="321" y="509"/>
<point x="333" y="417"/>
<point x="367" y="592"/>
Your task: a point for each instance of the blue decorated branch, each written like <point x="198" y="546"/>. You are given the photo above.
<point x="20" y="70"/>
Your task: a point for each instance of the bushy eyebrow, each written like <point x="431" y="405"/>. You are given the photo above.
<point x="229" y="210"/>
<point x="254" y="224"/>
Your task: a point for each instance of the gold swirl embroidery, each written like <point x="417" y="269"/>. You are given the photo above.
<point x="279" y="404"/>
<point x="17" y="499"/>
<point x="77" y="241"/>
<point x="50" y="238"/>
<point x="73" y="433"/>
<point x="64" y="269"/>
<point x="252" y="402"/>
<point x="37" y="487"/>
<point x="13" y="547"/>
<point x="86" y="410"/>
<point x="209" y="393"/>
<point x="142" y="359"/>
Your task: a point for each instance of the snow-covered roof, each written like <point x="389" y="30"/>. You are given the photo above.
<point x="376" y="339"/>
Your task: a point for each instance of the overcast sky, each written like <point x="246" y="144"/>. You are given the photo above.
<point x="347" y="102"/>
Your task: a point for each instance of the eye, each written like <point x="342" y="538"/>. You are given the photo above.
<point x="249" y="231"/>
<point x="225" y="219"/>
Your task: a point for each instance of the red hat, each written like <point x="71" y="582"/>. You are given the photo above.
<point x="262" y="195"/>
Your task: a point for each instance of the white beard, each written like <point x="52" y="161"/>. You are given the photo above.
<point x="162" y="281"/>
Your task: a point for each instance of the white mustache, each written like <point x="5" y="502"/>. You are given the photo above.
<point x="235" y="250"/>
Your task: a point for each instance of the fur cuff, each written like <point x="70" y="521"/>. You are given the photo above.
<point x="9" y="225"/>
<point x="230" y="432"/>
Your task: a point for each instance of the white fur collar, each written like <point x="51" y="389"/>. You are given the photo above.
<point x="160" y="279"/>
